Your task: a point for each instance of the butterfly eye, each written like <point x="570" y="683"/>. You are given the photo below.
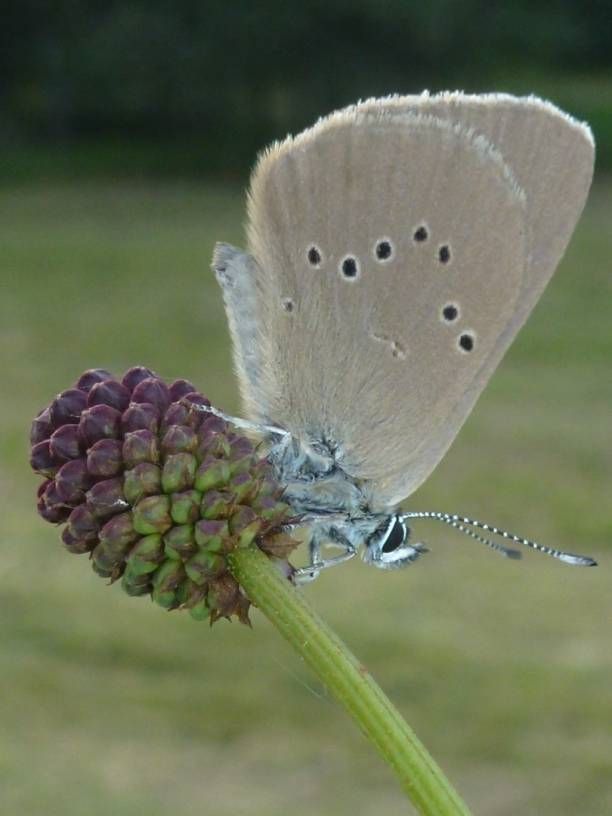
<point x="395" y="537"/>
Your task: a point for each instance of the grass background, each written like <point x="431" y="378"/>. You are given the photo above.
<point x="109" y="705"/>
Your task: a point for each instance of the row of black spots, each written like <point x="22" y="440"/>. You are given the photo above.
<point x="466" y="341"/>
<point x="383" y="252"/>
<point x="348" y="267"/>
<point x="421" y="234"/>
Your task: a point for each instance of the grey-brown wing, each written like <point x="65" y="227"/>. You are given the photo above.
<point x="391" y="254"/>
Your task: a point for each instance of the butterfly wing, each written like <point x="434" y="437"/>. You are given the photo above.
<point x="393" y="263"/>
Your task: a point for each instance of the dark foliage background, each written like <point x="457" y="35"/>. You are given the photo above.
<point x="197" y="87"/>
<point x="126" y="132"/>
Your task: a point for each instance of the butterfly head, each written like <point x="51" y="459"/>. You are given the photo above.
<point x="389" y="547"/>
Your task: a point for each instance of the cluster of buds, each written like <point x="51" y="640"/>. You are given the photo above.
<point x="157" y="489"/>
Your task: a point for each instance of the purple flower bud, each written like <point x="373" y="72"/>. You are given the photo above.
<point x="197" y="399"/>
<point x="179" y="439"/>
<point x="212" y="438"/>
<point x="241" y="446"/>
<point x="179" y="388"/>
<point x="140" y="446"/>
<point x="179" y="414"/>
<point x="72" y="480"/>
<point x="154" y="391"/>
<point x="53" y="500"/>
<point x="67" y="407"/>
<point x="136" y="375"/>
<point x="105" y="458"/>
<point x="116" y="539"/>
<point x="77" y="545"/>
<point x="41" y="428"/>
<point x="106" y="498"/>
<point x="83" y="524"/>
<point x="119" y="532"/>
<point x="211" y="425"/>
<point x="141" y="416"/>
<point x="91" y="377"/>
<point x="64" y="442"/>
<point x="109" y="392"/>
<point x="50" y="506"/>
<point x="99" y="422"/>
<point x="43" y="461"/>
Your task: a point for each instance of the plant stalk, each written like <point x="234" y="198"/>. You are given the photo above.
<point x="349" y="681"/>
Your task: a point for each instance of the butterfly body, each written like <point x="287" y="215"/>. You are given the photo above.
<point x="395" y="250"/>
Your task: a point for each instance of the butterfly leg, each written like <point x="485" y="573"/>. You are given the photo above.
<point x="323" y="536"/>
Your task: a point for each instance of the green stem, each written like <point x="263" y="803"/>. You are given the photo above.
<point x="349" y="681"/>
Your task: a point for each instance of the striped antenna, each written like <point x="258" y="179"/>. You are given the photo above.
<point x="464" y="524"/>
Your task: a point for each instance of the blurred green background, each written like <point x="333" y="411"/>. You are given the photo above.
<point x="127" y="129"/>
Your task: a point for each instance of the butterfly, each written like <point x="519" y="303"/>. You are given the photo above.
<point x="395" y="249"/>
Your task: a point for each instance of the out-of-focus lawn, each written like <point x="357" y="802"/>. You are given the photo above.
<point x="110" y="706"/>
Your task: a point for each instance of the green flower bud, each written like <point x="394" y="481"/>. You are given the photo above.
<point x="211" y="474"/>
<point x="245" y="524"/>
<point x="135" y="584"/>
<point x="216" y="504"/>
<point x="142" y="480"/>
<point x="146" y="555"/>
<point x="166" y="581"/>
<point x="179" y="542"/>
<point x="185" y="506"/>
<point x="200" y="611"/>
<point x="204" y="566"/>
<point x="178" y="472"/>
<point x="152" y="515"/>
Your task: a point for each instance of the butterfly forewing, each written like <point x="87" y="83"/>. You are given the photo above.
<point x="391" y="253"/>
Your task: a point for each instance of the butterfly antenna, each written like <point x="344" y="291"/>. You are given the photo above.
<point x="464" y="524"/>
